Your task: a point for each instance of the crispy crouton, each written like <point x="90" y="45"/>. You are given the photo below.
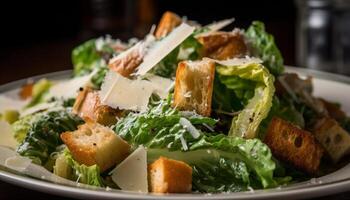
<point x="126" y="62"/>
<point x="93" y="144"/>
<point x="223" y="45"/>
<point x="333" y="137"/>
<point x="88" y="106"/>
<point x="167" y="23"/>
<point x="333" y="110"/>
<point x="194" y="86"/>
<point x="293" y="145"/>
<point x="26" y="91"/>
<point x="169" y="176"/>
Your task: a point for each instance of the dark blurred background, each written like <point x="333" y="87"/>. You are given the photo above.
<point x="38" y="36"/>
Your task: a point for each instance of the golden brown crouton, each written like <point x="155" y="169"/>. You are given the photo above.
<point x="167" y="23"/>
<point x="26" y="91"/>
<point x="169" y="176"/>
<point x="194" y="86"/>
<point x="126" y="62"/>
<point x="93" y="144"/>
<point x="333" y="137"/>
<point x="223" y="45"/>
<point x="293" y="145"/>
<point x="333" y="110"/>
<point x="88" y="106"/>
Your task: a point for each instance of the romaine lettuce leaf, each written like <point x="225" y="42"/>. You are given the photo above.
<point x="84" y="174"/>
<point x="43" y="135"/>
<point x="85" y="57"/>
<point x="159" y="127"/>
<point x="219" y="162"/>
<point x="264" y="47"/>
<point x="253" y="85"/>
<point x="22" y="126"/>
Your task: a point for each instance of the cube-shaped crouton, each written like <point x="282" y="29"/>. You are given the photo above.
<point x="333" y="138"/>
<point x="223" y="45"/>
<point x="194" y="86"/>
<point x="167" y="23"/>
<point x="294" y="145"/>
<point x="93" y="144"/>
<point x="88" y="106"/>
<point x="169" y="176"/>
<point x="126" y="62"/>
<point x="334" y="110"/>
<point x="26" y="91"/>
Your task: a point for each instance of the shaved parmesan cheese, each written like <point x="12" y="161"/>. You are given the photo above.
<point x="5" y="154"/>
<point x="215" y="26"/>
<point x="189" y="127"/>
<point x="17" y="163"/>
<point x="219" y="25"/>
<point x="7" y="103"/>
<point x="10" y="159"/>
<point x="188" y="94"/>
<point x="163" y="47"/>
<point x="184" y="53"/>
<point x="183" y="143"/>
<point x="69" y="89"/>
<point x="6" y="135"/>
<point x="131" y="174"/>
<point x="37" y="108"/>
<point x="208" y="127"/>
<point x="161" y="85"/>
<point x="238" y="61"/>
<point x="101" y="41"/>
<point x="120" y="92"/>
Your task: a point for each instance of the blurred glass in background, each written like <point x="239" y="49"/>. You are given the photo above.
<point x="323" y="35"/>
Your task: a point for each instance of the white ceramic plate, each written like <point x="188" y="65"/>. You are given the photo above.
<point x="326" y="85"/>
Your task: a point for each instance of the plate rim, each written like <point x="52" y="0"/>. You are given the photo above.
<point x="78" y="192"/>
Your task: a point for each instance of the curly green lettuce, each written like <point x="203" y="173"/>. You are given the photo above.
<point x="264" y="47"/>
<point x="21" y="127"/>
<point x="86" y="57"/>
<point x="252" y="86"/>
<point x="42" y="132"/>
<point x="220" y="163"/>
<point x="81" y="173"/>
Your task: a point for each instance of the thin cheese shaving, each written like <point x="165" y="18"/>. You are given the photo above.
<point x="220" y="24"/>
<point x="37" y="108"/>
<point x="120" y="92"/>
<point x="183" y="143"/>
<point x="6" y="135"/>
<point x="189" y="127"/>
<point x="163" y="47"/>
<point x="10" y="159"/>
<point x="161" y="85"/>
<point x="8" y="103"/>
<point x="216" y="26"/>
<point x="69" y="89"/>
<point x="131" y="174"/>
<point x="239" y="61"/>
